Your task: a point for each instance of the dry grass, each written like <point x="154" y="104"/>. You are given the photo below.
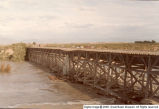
<point x="5" y="68"/>
<point x="18" y="49"/>
<point x="2" y="68"/>
<point x="8" y="68"/>
<point x="152" y="47"/>
<point x="51" y="77"/>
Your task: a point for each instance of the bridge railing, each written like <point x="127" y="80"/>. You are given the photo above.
<point x="126" y="74"/>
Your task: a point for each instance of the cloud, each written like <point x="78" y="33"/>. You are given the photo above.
<point x="78" y="20"/>
<point x="47" y="17"/>
<point x="79" y="26"/>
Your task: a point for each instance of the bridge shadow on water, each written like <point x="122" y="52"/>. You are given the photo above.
<point x="77" y="92"/>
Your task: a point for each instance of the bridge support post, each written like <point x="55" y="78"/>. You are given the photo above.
<point x="66" y="65"/>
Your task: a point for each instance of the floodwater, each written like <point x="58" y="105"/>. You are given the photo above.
<point x="28" y="86"/>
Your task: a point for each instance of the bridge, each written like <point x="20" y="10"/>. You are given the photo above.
<point x="130" y="75"/>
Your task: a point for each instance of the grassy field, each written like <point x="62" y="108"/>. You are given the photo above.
<point x="111" y="46"/>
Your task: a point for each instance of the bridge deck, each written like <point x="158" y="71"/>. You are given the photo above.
<point x="103" y="51"/>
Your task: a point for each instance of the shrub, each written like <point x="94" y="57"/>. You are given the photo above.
<point x="8" y="68"/>
<point x="2" y="68"/>
<point x="145" y="41"/>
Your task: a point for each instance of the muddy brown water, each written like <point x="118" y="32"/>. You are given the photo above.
<point x="28" y="85"/>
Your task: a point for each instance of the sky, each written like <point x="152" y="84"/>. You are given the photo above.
<point x="67" y="21"/>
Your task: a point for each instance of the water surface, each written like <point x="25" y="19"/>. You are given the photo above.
<point x="29" y="86"/>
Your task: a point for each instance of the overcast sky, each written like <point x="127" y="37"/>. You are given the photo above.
<point x="61" y="21"/>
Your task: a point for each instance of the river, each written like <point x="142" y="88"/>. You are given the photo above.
<point x="29" y="86"/>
